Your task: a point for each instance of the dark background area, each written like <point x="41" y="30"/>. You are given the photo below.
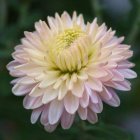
<point x="16" y="16"/>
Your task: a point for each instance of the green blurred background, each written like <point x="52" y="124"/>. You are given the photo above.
<point x="16" y="16"/>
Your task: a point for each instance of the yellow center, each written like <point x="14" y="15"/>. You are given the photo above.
<point x="64" y="39"/>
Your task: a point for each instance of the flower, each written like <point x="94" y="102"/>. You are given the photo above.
<point x="67" y="67"/>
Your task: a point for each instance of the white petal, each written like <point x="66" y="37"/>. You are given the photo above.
<point x="49" y="95"/>
<point x="62" y="92"/>
<point x="71" y="103"/>
<point x="50" y="79"/>
<point x="55" y="111"/>
<point x="67" y="120"/>
<point x="36" y="91"/>
<point x="78" y="89"/>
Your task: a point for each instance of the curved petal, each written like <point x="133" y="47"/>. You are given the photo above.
<point x="32" y="102"/>
<point x="92" y="116"/>
<point x="71" y="103"/>
<point x="114" y="101"/>
<point x="84" y="100"/>
<point x="20" y="90"/>
<point x="78" y="89"/>
<point x="94" y="84"/>
<point x="35" y="114"/>
<point x="82" y="113"/>
<point x="50" y="128"/>
<point x="67" y="120"/>
<point x="55" y="111"/>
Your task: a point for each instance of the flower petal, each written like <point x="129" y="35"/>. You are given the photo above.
<point x="114" y="101"/>
<point x="20" y="90"/>
<point x="96" y="107"/>
<point x="127" y="73"/>
<point x="84" y="100"/>
<point x="71" y="103"/>
<point x="49" y="95"/>
<point x="32" y="102"/>
<point x="50" y="128"/>
<point x="44" y="115"/>
<point x="55" y="111"/>
<point x="82" y="113"/>
<point x="92" y="117"/>
<point x="78" y="89"/>
<point x="35" y="114"/>
<point x="67" y="120"/>
<point x="94" y="84"/>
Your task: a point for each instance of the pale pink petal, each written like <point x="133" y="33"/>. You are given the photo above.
<point x="71" y="103"/>
<point x="97" y="73"/>
<point x="125" y="64"/>
<point x="50" y="128"/>
<point x="124" y="85"/>
<point x="117" y="76"/>
<point x="82" y="113"/>
<point x="55" y="111"/>
<point x="67" y="120"/>
<point x="44" y="115"/>
<point x="96" y="107"/>
<point x="92" y="116"/>
<point x="94" y="97"/>
<point x="35" y="114"/>
<point x="94" y="84"/>
<point x="114" y="101"/>
<point x="127" y="73"/>
<point x="105" y="94"/>
<point x="32" y="102"/>
<point x="84" y="100"/>
<point x="20" y="90"/>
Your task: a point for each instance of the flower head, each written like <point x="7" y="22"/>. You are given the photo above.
<point x="67" y="67"/>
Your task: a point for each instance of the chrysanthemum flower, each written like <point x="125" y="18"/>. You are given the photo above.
<point x="67" y="67"/>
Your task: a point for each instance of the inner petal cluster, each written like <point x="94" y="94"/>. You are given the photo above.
<point x="66" y="38"/>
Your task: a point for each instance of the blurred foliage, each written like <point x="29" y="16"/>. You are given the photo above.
<point x="17" y="16"/>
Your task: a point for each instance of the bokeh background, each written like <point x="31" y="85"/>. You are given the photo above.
<point x="16" y="16"/>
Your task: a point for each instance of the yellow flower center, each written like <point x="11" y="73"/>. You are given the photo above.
<point x="64" y="55"/>
<point x="66" y="38"/>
